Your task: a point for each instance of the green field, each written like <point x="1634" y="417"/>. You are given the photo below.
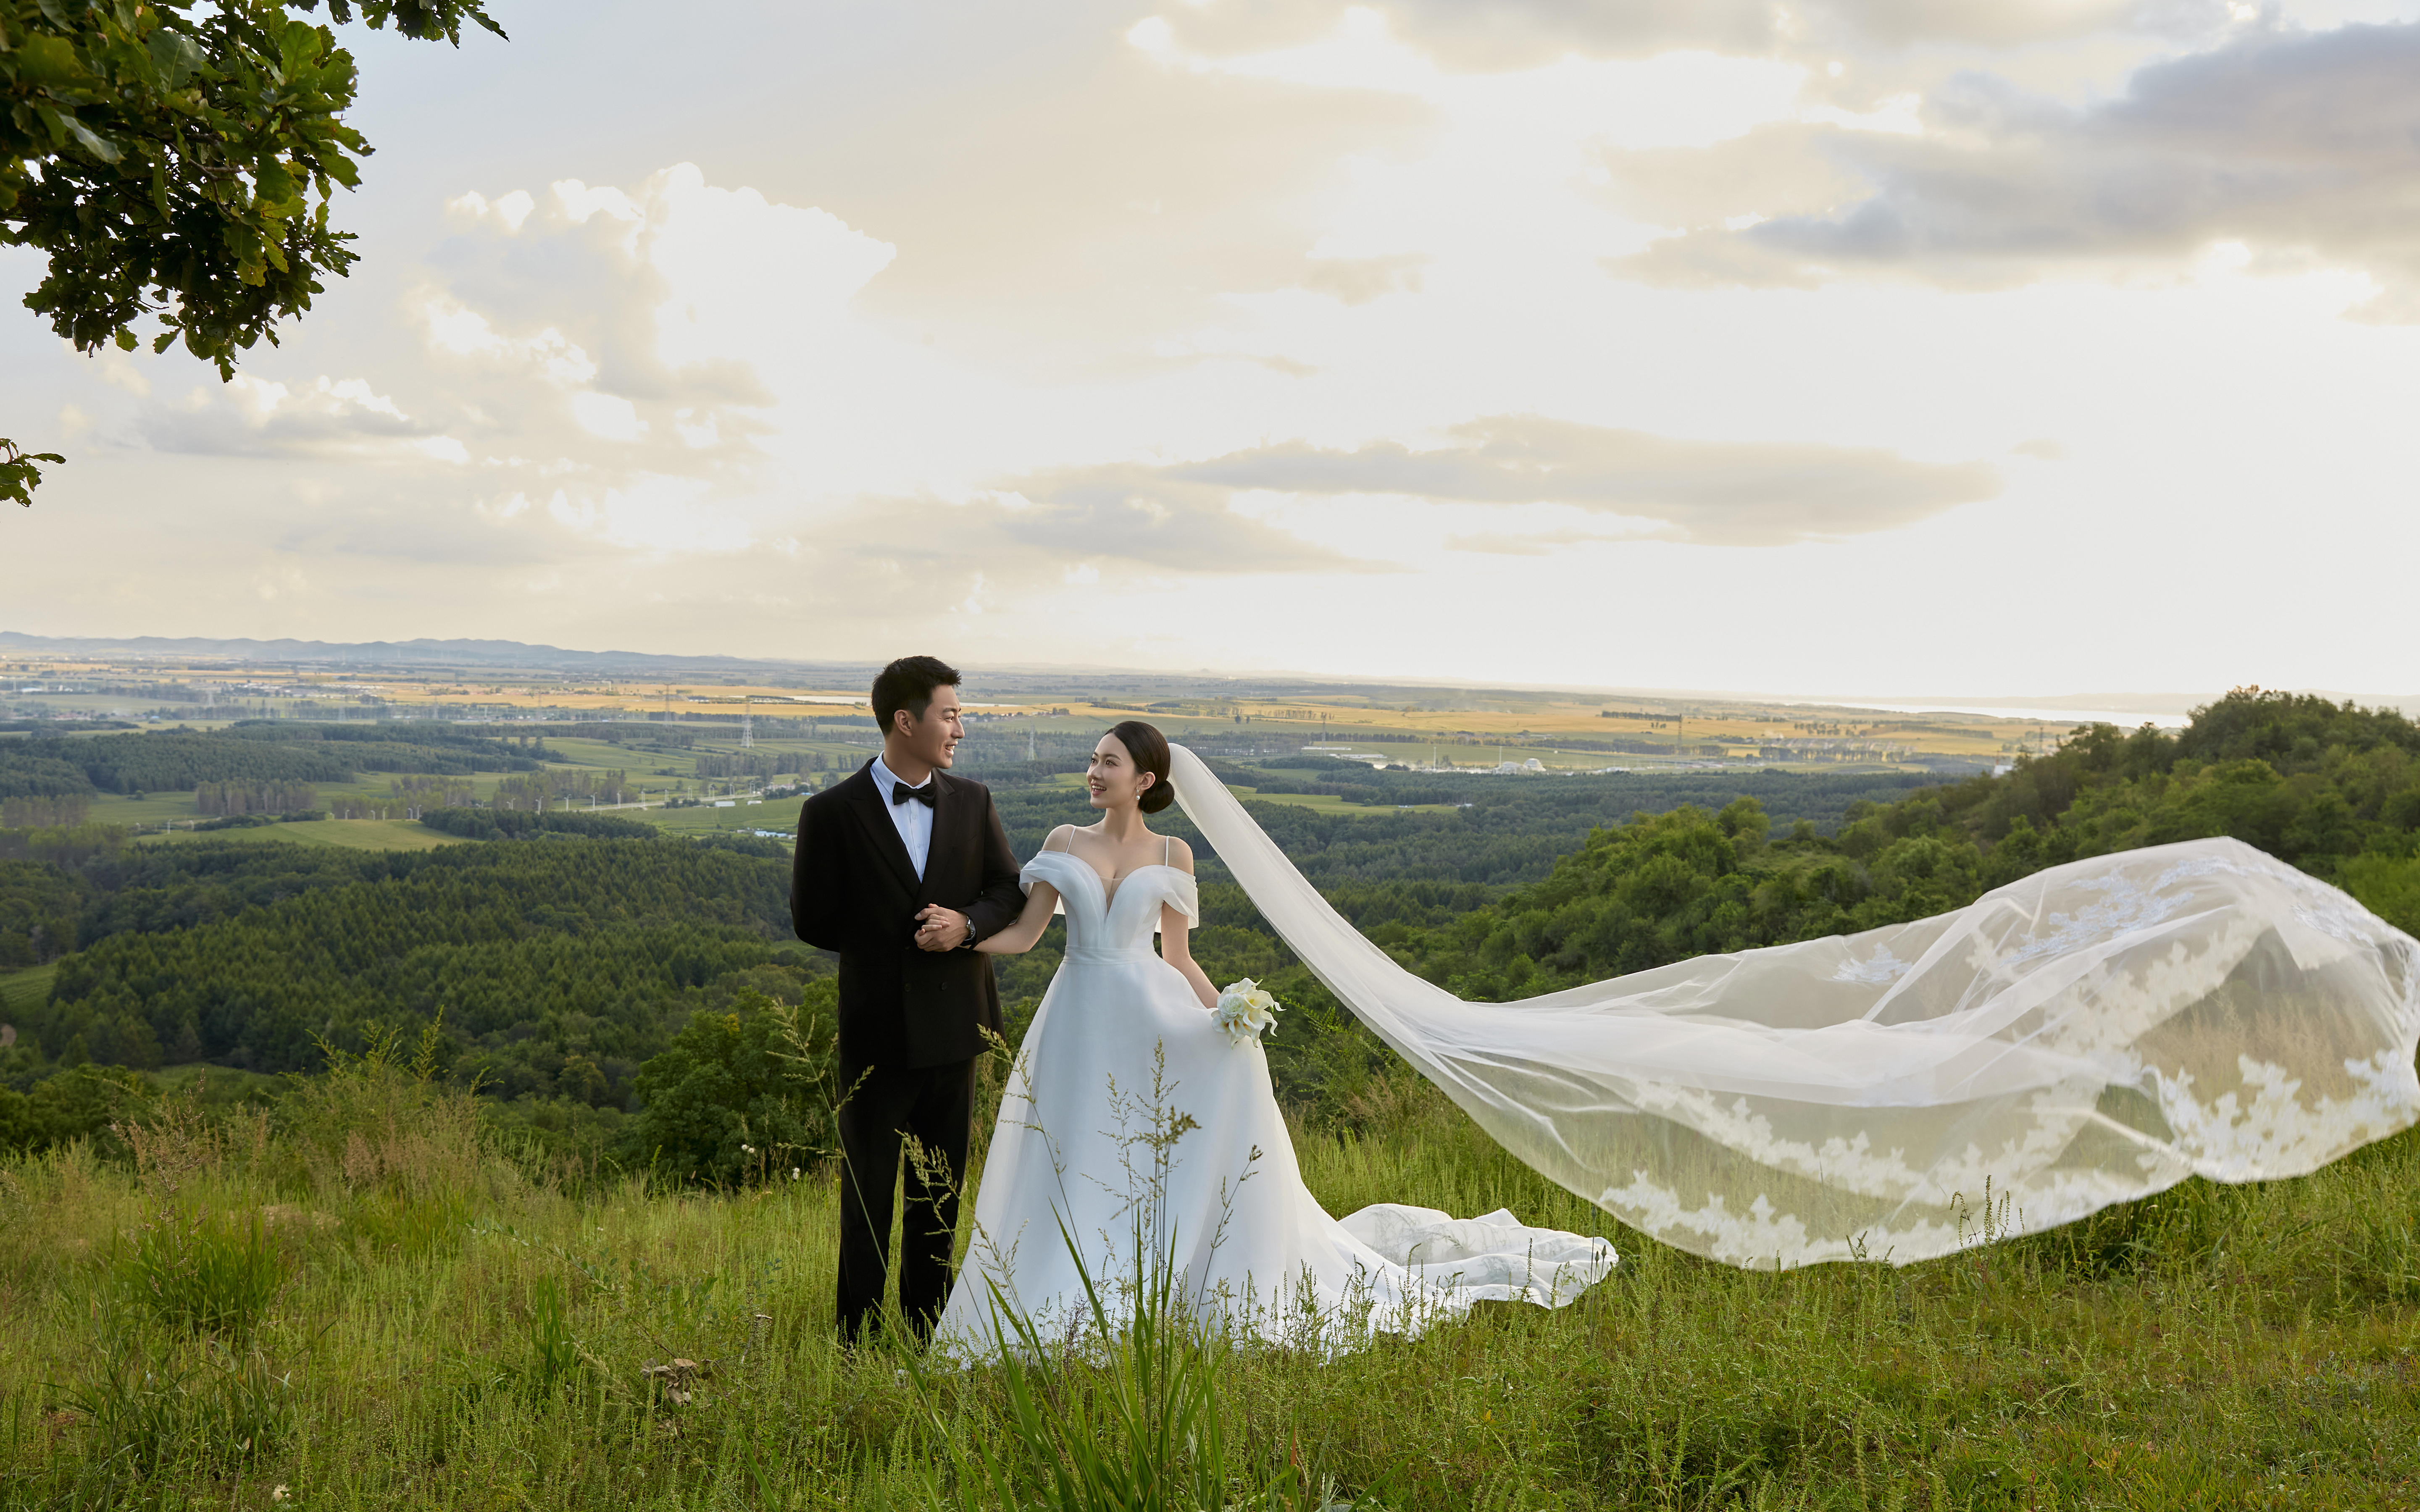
<point x="434" y="1317"/>
<point x="20" y="990"/>
<point x="351" y="834"/>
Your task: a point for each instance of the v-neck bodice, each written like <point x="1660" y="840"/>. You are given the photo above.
<point x="1105" y="915"/>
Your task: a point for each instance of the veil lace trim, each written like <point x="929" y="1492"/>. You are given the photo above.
<point x="2089" y="1035"/>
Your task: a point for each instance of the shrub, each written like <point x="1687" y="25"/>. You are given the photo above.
<point x="745" y="1094"/>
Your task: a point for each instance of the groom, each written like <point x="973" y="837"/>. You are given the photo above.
<point x="900" y="870"/>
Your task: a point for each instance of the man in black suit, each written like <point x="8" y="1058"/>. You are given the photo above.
<point x="900" y="870"/>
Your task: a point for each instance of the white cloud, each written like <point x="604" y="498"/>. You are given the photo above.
<point x="609" y="416"/>
<point x="1168" y="342"/>
<point x="2281" y="150"/>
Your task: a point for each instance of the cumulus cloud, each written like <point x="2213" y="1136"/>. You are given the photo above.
<point x="330" y="417"/>
<point x="2298" y="146"/>
<point x="648" y="313"/>
<point x="1716" y="493"/>
<point x="1526" y="34"/>
<point x="1137" y="515"/>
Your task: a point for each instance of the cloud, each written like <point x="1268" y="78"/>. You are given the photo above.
<point x="649" y="315"/>
<point x="1716" y="493"/>
<point x="1359" y="280"/>
<point x="2298" y="146"/>
<point x="1506" y="35"/>
<point x="1129" y="514"/>
<point x="330" y="417"/>
<point x="1542" y="544"/>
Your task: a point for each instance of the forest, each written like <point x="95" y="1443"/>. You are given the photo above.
<point x="253" y="752"/>
<point x="571" y="949"/>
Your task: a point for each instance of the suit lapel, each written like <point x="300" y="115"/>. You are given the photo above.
<point x="866" y="803"/>
<point x="946" y="808"/>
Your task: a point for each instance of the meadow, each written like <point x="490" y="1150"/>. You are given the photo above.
<point x="356" y="1294"/>
<point x="537" y="1263"/>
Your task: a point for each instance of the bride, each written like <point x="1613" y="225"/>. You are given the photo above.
<point x="2090" y="1034"/>
<point x="1135" y="1131"/>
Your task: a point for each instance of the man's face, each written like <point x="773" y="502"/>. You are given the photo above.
<point x="933" y="739"/>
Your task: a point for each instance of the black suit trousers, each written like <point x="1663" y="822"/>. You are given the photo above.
<point x="933" y="1105"/>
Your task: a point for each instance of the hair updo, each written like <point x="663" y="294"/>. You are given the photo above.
<point x="1149" y="750"/>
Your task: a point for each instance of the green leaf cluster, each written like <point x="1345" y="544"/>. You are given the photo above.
<point x="175" y="160"/>
<point x="21" y="473"/>
<point x="744" y="1095"/>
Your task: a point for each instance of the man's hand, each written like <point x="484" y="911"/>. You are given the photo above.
<point x="942" y="929"/>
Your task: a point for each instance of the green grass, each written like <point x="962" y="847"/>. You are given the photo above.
<point x="350" y="834"/>
<point x="22" y="990"/>
<point x="772" y="813"/>
<point x="458" y="1327"/>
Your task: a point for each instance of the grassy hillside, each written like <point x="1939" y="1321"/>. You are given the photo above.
<point x="429" y="1318"/>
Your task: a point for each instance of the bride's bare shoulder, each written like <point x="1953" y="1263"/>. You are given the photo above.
<point x="1180" y="855"/>
<point x="1061" y="839"/>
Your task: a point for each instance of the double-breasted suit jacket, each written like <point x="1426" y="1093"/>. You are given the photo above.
<point x="855" y="893"/>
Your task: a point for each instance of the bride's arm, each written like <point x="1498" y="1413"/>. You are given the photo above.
<point x="1173" y="949"/>
<point x="1020" y="937"/>
<point x="1040" y="904"/>
<point x="1175" y="931"/>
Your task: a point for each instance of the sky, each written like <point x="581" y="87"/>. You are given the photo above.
<point x="1884" y="346"/>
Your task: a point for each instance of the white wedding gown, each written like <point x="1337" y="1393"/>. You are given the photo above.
<point x="2089" y="1035"/>
<point x="1135" y="1132"/>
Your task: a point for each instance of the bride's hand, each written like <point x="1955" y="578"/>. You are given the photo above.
<point x="942" y="929"/>
<point x="1020" y="937"/>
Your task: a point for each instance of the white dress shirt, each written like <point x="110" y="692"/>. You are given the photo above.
<point x="913" y="820"/>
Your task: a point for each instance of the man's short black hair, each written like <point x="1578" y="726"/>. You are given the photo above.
<point x="909" y="684"/>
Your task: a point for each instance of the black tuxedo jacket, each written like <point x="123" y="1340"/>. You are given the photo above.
<point x="855" y="893"/>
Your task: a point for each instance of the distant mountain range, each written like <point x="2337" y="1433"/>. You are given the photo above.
<point x="1097" y="682"/>
<point x="420" y="653"/>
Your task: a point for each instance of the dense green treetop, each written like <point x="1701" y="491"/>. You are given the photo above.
<point x="174" y="160"/>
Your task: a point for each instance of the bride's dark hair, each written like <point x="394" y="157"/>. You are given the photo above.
<point x="1149" y="749"/>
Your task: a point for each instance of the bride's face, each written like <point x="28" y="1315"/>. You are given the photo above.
<point x="1114" y="780"/>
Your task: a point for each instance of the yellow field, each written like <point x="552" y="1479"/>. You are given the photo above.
<point x="1466" y="728"/>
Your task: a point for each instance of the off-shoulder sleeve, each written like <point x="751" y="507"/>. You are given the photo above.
<point x="1184" y="897"/>
<point x="1051" y="866"/>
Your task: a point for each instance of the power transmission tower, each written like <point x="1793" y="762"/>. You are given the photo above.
<point x="748" y="726"/>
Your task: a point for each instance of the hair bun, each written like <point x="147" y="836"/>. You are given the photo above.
<point x="1148" y="749"/>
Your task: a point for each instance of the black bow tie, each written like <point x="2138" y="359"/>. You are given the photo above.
<point x="901" y="793"/>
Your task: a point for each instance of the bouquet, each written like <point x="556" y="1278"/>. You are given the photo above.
<point x="1246" y="1011"/>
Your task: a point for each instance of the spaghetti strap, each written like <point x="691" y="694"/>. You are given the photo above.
<point x="1165" y="841"/>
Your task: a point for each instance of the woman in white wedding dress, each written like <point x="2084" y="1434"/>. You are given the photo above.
<point x="1135" y="1130"/>
<point x="2088" y="1035"/>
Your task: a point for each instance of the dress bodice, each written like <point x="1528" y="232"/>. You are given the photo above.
<point x="1098" y="919"/>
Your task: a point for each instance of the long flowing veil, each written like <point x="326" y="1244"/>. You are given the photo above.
<point x="2093" y="1033"/>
